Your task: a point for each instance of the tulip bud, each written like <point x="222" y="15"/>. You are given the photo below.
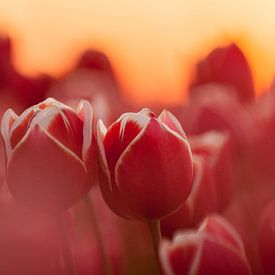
<point x="146" y="165"/>
<point x="201" y="201"/>
<point x="215" y="248"/>
<point x="50" y="158"/>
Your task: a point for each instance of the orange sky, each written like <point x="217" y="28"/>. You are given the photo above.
<point x="152" y="43"/>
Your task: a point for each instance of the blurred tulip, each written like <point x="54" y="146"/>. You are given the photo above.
<point x="5" y="61"/>
<point x="214" y="107"/>
<point x="92" y="79"/>
<point x="97" y="61"/>
<point x="217" y="148"/>
<point x="146" y="165"/>
<point x="201" y="201"/>
<point x="227" y="66"/>
<point x="215" y="248"/>
<point x="50" y="152"/>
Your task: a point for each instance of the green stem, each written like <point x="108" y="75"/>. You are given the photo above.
<point x="67" y="258"/>
<point x="154" y="227"/>
<point x="92" y="216"/>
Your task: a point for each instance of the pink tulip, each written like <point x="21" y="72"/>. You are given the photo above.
<point x="215" y="248"/>
<point x="146" y="165"/>
<point x="50" y="158"/>
<point x="226" y="66"/>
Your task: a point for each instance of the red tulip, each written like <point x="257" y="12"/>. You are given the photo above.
<point x="146" y="165"/>
<point x="50" y="154"/>
<point x="215" y="248"/>
<point x="201" y="201"/>
<point x="214" y="107"/>
<point x="227" y="66"/>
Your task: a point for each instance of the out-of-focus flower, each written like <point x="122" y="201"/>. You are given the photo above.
<point x="201" y="201"/>
<point x="215" y="248"/>
<point x="218" y="151"/>
<point x="266" y="239"/>
<point x="92" y="79"/>
<point x="5" y="61"/>
<point x="227" y="66"/>
<point x="215" y="108"/>
<point x="146" y="165"/>
<point x="50" y="153"/>
<point x="96" y="61"/>
<point x="16" y="90"/>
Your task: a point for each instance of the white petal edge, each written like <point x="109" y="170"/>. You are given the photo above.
<point x="140" y="119"/>
<point x="165" y="113"/>
<point x="101" y="132"/>
<point x="225" y="224"/>
<point x="85" y="108"/>
<point x="5" y="130"/>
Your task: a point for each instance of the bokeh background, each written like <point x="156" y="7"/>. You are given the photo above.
<point x="152" y="45"/>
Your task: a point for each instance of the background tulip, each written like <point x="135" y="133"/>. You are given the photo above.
<point x="227" y="66"/>
<point x="50" y="154"/>
<point x="201" y="201"/>
<point x="215" y="248"/>
<point x="146" y="165"/>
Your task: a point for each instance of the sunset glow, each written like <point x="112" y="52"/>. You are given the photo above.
<point x="153" y="44"/>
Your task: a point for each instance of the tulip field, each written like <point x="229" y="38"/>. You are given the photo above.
<point x="93" y="183"/>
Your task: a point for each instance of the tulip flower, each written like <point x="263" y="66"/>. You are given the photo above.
<point x="226" y="66"/>
<point x="146" y="165"/>
<point x="50" y="158"/>
<point x="215" y="248"/>
<point x="217" y="148"/>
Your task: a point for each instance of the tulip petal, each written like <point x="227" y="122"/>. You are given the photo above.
<point x="158" y="161"/>
<point x="223" y="231"/>
<point x="20" y="126"/>
<point x="85" y="112"/>
<point x="38" y="173"/>
<point x="171" y="121"/>
<point x="109" y="189"/>
<point x="121" y="134"/>
<point x="8" y="119"/>
<point x="63" y="124"/>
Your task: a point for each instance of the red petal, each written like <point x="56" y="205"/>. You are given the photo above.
<point x="154" y="173"/>
<point x="171" y="121"/>
<point x="20" y="126"/>
<point x="218" y="259"/>
<point x="43" y="174"/>
<point x="120" y="135"/>
<point x="64" y="125"/>
<point x="223" y="232"/>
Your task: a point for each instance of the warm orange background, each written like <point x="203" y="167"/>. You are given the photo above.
<point x="152" y="43"/>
